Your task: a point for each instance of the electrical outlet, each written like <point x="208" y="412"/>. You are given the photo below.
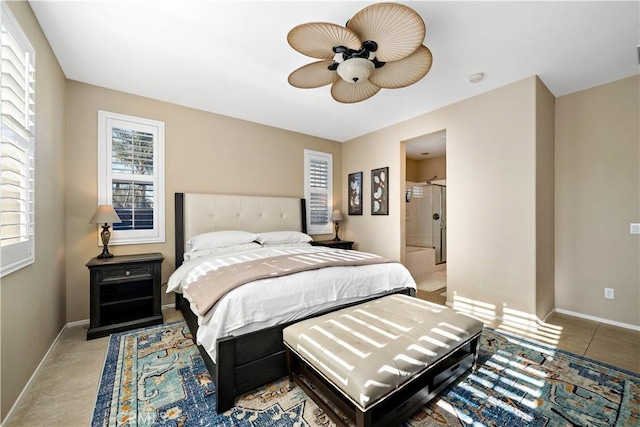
<point x="608" y="293"/>
<point x="635" y="228"/>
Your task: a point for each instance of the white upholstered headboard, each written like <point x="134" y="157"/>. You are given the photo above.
<point x="198" y="213"/>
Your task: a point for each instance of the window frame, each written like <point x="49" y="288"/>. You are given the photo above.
<point x="106" y="122"/>
<point x="16" y="256"/>
<point x="310" y="155"/>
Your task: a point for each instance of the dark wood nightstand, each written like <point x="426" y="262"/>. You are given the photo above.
<point x="125" y="293"/>
<point x="338" y="244"/>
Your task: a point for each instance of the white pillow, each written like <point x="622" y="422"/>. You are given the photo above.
<point x="282" y="237"/>
<point x="286" y="245"/>
<point x="219" y="239"/>
<point x="223" y="250"/>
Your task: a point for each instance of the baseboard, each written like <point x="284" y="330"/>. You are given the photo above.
<point x="84" y="322"/>
<point x="598" y="319"/>
<point x="32" y="378"/>
<point x="544" y="319"/>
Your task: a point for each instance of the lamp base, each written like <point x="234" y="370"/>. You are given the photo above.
<point x="106" y="236"/>
<point x="105" y="253"/>
<point x="336" y="227"/>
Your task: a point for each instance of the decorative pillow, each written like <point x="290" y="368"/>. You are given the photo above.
<point x="219" y="239"/>
<point x="222" y="250"/>
<point x="282" y="237"/>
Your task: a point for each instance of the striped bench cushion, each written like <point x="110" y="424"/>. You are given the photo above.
<point x="370" y="349"/>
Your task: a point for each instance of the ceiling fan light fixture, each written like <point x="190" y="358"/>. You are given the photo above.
<point x="380" y="47"/>
<point x="355" y="69"/>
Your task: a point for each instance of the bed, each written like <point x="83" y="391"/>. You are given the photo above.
<point x="243" y="357"/>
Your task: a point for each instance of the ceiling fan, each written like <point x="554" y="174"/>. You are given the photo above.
<point x="380" y="47"/>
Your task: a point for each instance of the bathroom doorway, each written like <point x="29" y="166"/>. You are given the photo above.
<point x="426" y="213"/>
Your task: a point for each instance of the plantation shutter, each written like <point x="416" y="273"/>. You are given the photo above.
<point x="318" y="191"/>
<point x="132" y="178"/>
<point x="17" y="131"/>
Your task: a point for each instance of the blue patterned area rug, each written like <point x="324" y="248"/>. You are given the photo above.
<point x="155" y="376"/>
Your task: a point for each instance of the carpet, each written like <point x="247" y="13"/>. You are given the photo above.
<point x="155" y="376"/>
<point x="432" y="281"/>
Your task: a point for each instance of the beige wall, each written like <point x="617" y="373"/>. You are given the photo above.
<point x="423" y="170"/>
<point x="33" y="298"/>
<point x="540" y="196"/>
<point x="412" y="170"/>
<point x="545" y="174"/>
<point x="204" y="153"/>
<point x="491" y="179"/>
<point x="380" y="233"/>
<point x="597" y="159"/>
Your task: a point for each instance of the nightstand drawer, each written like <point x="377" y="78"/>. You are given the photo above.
<point x="127" y="273"/>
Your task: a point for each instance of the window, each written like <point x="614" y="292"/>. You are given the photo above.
<point x="17" y="146"/>
<point x="318" y="191"/>
<point x="131" y="176"/>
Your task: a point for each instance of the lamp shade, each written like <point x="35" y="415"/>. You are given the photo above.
<point x="336" y="216"/>
<point x="105" y="214"/>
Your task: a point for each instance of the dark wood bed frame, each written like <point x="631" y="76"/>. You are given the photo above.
<point x="247" y="361"/>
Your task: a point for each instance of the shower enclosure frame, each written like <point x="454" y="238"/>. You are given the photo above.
<point x="433" y="217"/>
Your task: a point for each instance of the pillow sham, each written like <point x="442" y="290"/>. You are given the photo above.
<point x="282" y="237"/>
<point x="219" y="239"/>
<point x="222" y="250"/>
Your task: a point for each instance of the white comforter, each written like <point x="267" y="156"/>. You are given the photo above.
<point x="264" y="303"/>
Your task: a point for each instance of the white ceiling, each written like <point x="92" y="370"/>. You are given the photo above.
<point x="232" y="57"/>
<point x="427" y="146"/>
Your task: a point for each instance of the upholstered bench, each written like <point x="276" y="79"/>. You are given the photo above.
<point x="379" y="361"/>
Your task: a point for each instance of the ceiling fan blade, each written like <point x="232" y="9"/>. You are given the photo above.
<point x="397" y="29"/>
<point x="405" y="72"/>
<point x="317" y="39"/>
<point x="349" y="93"/>
<point x="313" y="75"/>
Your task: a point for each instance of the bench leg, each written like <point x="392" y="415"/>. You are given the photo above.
<point x="475" y="347"/>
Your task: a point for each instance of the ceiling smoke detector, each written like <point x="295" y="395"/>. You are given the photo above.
<point x="475" y="78"/>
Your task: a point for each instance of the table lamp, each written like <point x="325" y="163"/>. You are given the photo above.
<point x="336" y="217"/>
<point x="105" y="215"/>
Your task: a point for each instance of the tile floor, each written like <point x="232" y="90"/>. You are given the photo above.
<point x="609" y="344"/>
<point x="63" y="392"/>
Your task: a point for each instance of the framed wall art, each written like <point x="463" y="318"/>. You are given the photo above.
<point x="380" y="191"/>
<point x="355" y="193"/>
